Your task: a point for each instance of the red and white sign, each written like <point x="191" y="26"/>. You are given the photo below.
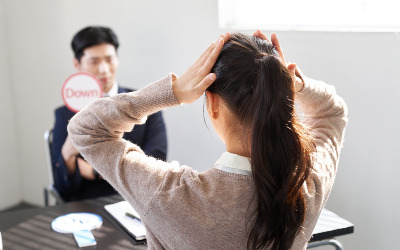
<point x="79" y="90"/>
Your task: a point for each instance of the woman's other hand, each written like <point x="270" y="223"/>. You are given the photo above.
<point x="192" y="84"/>
<point x="295" y="72"/>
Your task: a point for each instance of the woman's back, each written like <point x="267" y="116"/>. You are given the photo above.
<point x="207" y="211"/>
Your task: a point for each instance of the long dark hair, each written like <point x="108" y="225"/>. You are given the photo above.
<point x="258" y="89"/>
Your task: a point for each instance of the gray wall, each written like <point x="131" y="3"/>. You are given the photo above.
<point x="10" y="177"/>
<point x="162" y="36"/>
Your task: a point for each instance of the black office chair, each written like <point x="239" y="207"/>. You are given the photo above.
<point x="50" y="189"/>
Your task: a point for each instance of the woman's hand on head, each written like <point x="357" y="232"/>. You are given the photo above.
<point x="192" y="84"/>
<point x="294" y="71"/>
<point x="274" y="40"/>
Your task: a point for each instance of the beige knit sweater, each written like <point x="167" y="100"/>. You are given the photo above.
<point x="184" y="209"/>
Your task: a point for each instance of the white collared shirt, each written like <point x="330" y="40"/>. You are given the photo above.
<point x="113" y="91"/>
<point x="233" y="163"/>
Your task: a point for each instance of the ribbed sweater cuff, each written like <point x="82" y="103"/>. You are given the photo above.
<point x="157" y="95"/>
<point x="308" y="88"/>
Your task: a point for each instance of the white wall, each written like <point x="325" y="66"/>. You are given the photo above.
<point x="364" y="68"/>
<point x="10" y="191"/>
<point x="162" y="36"/>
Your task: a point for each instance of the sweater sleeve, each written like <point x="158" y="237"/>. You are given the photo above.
<point x="325" y="114"/>
<point x="97" y="132"/>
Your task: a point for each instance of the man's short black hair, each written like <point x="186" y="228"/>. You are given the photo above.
<point x="91" y="36"/>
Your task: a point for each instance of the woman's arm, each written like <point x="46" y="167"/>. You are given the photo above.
<point x="97" y="131"/>
<point x="325" y="114"/>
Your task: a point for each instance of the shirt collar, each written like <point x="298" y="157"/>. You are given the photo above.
<point x="233" y="163"/>
<point x="113" y="91"/>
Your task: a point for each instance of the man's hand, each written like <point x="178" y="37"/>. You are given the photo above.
<point x="85" y="169"/>
<point x="69" y="154"/>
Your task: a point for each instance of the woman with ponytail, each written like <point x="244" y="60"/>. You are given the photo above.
<point x="283" y="134"/>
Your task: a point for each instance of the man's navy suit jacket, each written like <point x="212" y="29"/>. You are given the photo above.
<point x="150" y="137"/>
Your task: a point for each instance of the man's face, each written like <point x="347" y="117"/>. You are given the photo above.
<point x="102" y="62"/>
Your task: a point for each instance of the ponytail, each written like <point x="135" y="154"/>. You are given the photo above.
<point x="259" y="89"/>
<point x="277" y="159"/>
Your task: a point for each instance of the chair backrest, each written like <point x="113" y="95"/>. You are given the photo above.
<point x="50" y="189"/>
<point x="48" y="141"/>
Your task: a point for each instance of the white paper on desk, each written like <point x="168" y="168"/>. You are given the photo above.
<point x="134" y="226"/>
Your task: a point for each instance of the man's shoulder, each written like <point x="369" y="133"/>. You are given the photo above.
<point x="64" y="111"/>
<point x="125" y="90"/>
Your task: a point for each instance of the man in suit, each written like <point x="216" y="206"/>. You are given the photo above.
<point x="95" y="50"/>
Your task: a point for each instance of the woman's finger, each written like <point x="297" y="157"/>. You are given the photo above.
<point x="205" y="83"/>
<point x="275" y="42"/>
<point x="226" y="37"/>
<point x="212" y="58"/>
<point x="259" y="34"/>
<point x="292" y="69"/>
<point x="206" y="54"/>
<point x="298" y="82"/>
